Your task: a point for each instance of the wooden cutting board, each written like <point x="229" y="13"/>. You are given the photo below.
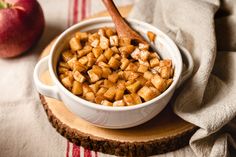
<point x="166" y="132"/>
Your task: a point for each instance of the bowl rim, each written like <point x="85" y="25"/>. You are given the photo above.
<point x="96" y="106"/>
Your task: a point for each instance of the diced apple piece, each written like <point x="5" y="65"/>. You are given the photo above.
<point x="90" y="96"/>
<point x="154" y="62"/>
<point x="67" y="55"/>
<point x="148" y="75"/>
<point x="144" y="55"/>
<point x="108" y="53"/>
<point x="101" y="58"/>
<point x="110" y="93"/>
<point x="101" y="91"/>
<point x="82" y="35"/>
<point x="93" y="76"/>
<point x="151" y="36"/>
<point x="142" y="68"/>
<point x="159" y="83"/>
<point x="106" y="72"/>
<point x="104" y="42"/>
<point x="114" y="63"/>
<point x="67" y="82"/>
<point x="119" y="103"/>
<point x="113" y="77"/>
<point x="124" y="63"/>
<point x="83" y="60"/>
<point x="136" y="98"/>
<point x="75" y="44"/>
<point x="114" y="41"/>
<point x="78" y="76"/>
<point x="124" y="41"/>
<point x="143" y="46"/>
<point x="134" y="87"/>
<point x="132" y="67"/>
<point x="166" y="62"/>
<point x="109" y="31"/>
<point x="119" y="93"/>
<point x="97" y="51"/>
<point x="146" y="93"/>
<point x="98" y="99"/>
<point x="128" y="99"/>
<point x="106" y="103"/>
<point x="136" y="54"/>
<point x="77" y="88"/>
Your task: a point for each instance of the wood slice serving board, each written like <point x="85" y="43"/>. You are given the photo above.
<point x="166" y="132"/>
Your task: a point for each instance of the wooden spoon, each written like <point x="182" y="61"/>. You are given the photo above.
<point x="122" y="27"/>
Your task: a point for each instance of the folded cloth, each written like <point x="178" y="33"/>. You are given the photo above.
<point x="207" y="99"/>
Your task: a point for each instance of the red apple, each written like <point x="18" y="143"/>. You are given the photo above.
<point x="21" y="26"/>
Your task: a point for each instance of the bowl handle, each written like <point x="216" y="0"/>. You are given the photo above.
<point x="186" y="73"/>
<point x="47" y="90"/>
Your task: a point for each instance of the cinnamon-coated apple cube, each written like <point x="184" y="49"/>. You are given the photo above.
<point x="115" y="49"/>
<point x="94" y="87"/>
<point x="114" y="40"/>
<point x="121" y="84"/>
<point x="146" y="63"/>
<point x="124" y="41"/>
<point x="136" y="98"/>
<point x="108" y="53"/>
<point x="106" y="72"/>
<point x="97" y="70"/>
<point x="136" y="54"/>
<point x="86" y="89"/>
<point x="90" y="96"/>
<point x="67" y="82"/>
<point x="82" y="35"/>
<point x="154" y="62"/>
<point x="101" y="58"/>
<point x="119" y="103"/>
<point x="132" y="88"/>
<point x="71" y="62"/>
<point x="95" y="43"/>
<point x="114" y="63"/>
<point x="101" y="91"/>
<point x="117" y="56"/>
<point x="104" y="42"/>
<point x="93" y="76"/>
<point x="77" y="88"/>
<point x="155" y="91"/>
<point x="70" y="75"/>
<point x="77" y="66"/>
<point x="78" y="76"/>
<point x="97" y="51"/>
<point x="107" y="84"/>
<point x="156" y="69"/>
<point x="151" y="36"/>
<point x="130" y="75"/>
<point x="144" y="55"/>
<point x="110" y="93"/>
<point x="93" y="37"/>
<point x="113" y="77"/>
<point x="109" y="31"/>
<point x="142" y="80"/>
<point x="62" y="70"/>
<point x="67" y="55"/>
<point x="165" y="62"/>
<point x="91" y="60"/>
<point x="126" y="50"/>
<point x="124" y="63"/>
<point x="129" y="82"/>
<point x="102" y="64"/>
<point x="98" y="99"/>
<point x="75" y="44"/>
<point x="142" y="68"/>
<point x="119" y="93"/>
<point x="128" y="99"/>
<point x="83" y="60"/>
<point x="159" y="83"/>
<point x="166" y="72"/>
<point x="87" y="49"/>
<point x="148" y="75"/>
<point x="101" y="32"/>
<point x="146" y="93"/>
<point x="132" y="67"/>
<point x="143" y="46"/>
<point x="121" y="75"/>
<point x="168" y="82"/>
<point x="61" y="76"/>
<point x="106" y="103"/>
<point x="64" y="65"/>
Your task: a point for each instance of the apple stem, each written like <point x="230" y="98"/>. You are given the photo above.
<point x="4" y="5"/>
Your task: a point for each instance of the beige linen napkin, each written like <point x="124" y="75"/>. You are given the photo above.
<point x="207" y="99"/>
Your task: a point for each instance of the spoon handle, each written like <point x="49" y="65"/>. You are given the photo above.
<point x="122" y="27"/>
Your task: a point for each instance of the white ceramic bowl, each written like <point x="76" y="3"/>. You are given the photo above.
<point x="105" y="116"/>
